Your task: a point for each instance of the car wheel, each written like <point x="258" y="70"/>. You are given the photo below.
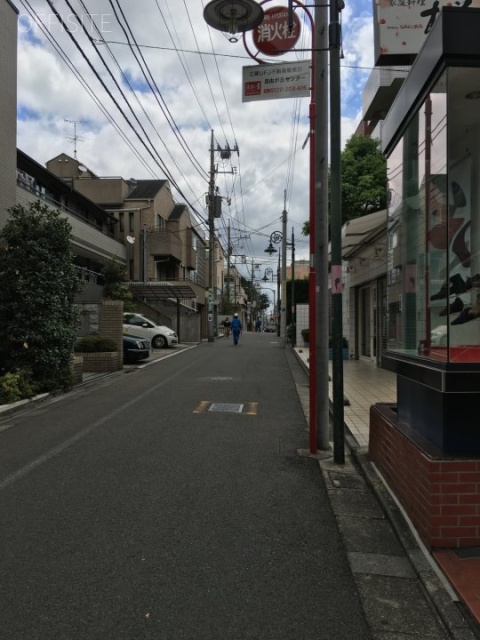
<point x="159" y="342"/>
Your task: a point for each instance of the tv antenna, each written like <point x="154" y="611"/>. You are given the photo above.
<point x="75" y="137"/>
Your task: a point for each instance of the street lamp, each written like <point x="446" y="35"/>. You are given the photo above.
<point x="275" y="238"/>
<point x="268" y="272"/>
<point x="274" y="301"/>
<point x="233" y="16"/>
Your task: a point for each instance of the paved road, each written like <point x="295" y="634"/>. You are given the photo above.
<point x="131" y="509"/>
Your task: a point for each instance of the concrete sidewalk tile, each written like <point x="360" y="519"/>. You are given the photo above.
<point x="380" y="564"/>
<point x="397" y="605"/>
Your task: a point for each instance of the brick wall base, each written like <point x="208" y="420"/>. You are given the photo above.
<point x="441" y="495"/>
<point x="102" y="361"/>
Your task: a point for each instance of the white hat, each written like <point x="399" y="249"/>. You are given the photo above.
<point x="235" y="315"/>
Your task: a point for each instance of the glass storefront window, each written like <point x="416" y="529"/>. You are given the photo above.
<point x="434" y="240"/>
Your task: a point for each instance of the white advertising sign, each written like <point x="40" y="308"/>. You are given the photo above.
<point x="401" y="26"/>
<point x="273" y="81"/>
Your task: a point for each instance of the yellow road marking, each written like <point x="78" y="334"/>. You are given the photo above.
<point x="251" y="408"/>
<point x="203" y="406"/>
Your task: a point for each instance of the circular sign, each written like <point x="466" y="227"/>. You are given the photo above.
<point x="273" y="37"/>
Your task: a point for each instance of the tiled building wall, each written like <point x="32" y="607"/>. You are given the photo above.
<point x="440" y="496"/>
<point x="302" y="322"/>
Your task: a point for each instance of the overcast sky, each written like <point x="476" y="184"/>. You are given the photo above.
<point x="152" y="73"/>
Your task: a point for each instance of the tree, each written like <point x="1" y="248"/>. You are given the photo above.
<point x="115" y="287"/>
<point x="38" y="283"/>
<point x="364" y="179"/>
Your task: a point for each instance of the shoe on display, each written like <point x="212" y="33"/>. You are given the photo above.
<point x="473" y="282"/>
<point x="456" y="306"/>
<point x="469" y="313"/>
<point x="458" y="285"/>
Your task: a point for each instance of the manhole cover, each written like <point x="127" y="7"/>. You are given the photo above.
<point x="226" y="407"/>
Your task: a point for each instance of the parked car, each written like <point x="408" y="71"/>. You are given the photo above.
<point x="135" y="349"/>
<point x="160" y="336"/>
<point x="270" y="327"/>
<point x="438" y="336"/>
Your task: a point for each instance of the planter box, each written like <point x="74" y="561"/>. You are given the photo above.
<point x="102" y="361"/>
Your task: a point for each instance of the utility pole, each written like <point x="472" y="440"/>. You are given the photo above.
<point x="294" y="312"/>
<point x="283" y="309"/>
<point x="214" y="211"/>
<point x="211" y="241"/>
<point x="229" y="251"/>
<point x="320" y="403"/>
<point x="336" y="270"/>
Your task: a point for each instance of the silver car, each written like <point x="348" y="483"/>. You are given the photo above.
<point x="160" y="336"/>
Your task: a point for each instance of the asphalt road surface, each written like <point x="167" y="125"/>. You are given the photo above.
<point x="169" y="503"/>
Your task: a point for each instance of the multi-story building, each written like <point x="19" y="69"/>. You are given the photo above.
<point x="165" y="253"/>
<point x="93" y="229"/>
<point x="8" y="107"/>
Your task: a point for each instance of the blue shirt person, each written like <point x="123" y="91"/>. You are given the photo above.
<point x="236" y="327"/>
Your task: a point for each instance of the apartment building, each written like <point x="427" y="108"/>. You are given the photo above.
<point x="93" y="229"/>
<point x="8" y="107"/>
<point x="166" y="255"/>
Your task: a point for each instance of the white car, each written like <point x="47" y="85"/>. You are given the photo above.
<point x="438" y="336"/>
<point x="159" y="335"/>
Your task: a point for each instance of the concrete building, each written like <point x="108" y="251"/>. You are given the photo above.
<point x="8" y="107"/>
<point x="166" y="255"/>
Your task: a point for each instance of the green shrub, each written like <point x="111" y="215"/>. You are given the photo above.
<point x="15" y="386"/>
<point x="94" y="344"/>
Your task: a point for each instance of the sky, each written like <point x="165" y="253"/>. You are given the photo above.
<point x="135" y="88"/>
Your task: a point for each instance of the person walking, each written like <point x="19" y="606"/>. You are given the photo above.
<point x="226" y="326"/>
<point x="236" y="327"/>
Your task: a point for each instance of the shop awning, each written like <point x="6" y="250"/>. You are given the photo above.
<point x="359" y="231"/>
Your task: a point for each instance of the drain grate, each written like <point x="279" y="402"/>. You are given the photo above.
<point x="226" y="407"/>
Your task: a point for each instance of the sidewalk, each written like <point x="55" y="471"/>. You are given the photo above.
<point x="365" y="384"/>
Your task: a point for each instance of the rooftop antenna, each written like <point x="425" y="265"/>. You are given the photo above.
<point x="74" y="137"/>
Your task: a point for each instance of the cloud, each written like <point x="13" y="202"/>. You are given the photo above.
<point x="196" y="76"/>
